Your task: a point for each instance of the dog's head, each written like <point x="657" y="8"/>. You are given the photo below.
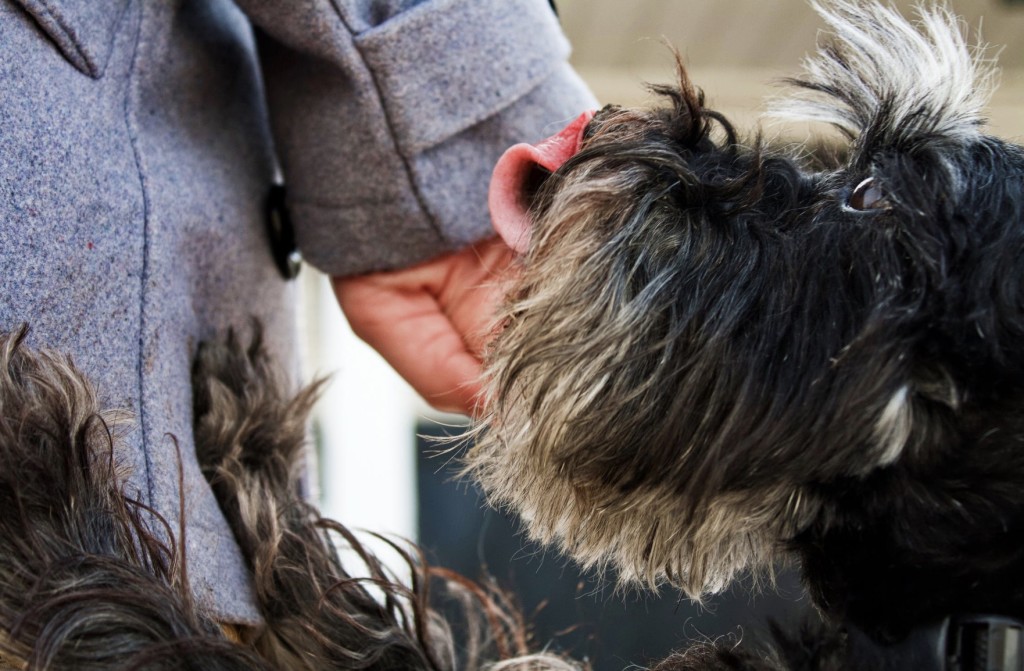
<point x="711" y="338"/>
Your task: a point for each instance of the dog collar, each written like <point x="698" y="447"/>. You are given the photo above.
<point x="965" y="643"/>
<point x="989" y="642"/>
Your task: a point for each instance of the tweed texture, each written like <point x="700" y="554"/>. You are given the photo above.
<point x="136" y="148"/>
<point x="405" y="118"/>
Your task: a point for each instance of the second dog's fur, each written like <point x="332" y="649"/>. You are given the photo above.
<point x="92" y="579"/>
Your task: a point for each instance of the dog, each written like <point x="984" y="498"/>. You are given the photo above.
<point x="721" y="354"/>
<point x="91" y="578"/>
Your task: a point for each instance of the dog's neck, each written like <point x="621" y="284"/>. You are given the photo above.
<point x="890" y="561"/>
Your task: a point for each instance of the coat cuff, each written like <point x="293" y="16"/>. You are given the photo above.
<point x="451" y="181"/>
<point x="443" y="66"/>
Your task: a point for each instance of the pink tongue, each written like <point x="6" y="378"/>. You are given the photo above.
<point x="506" y="198"/>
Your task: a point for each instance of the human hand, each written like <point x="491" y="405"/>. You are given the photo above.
<point x="432" y="321"/>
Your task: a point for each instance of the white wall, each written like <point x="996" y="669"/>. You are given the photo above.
<point x="365" y="423"/>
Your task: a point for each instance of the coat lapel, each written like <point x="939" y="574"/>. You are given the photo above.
<point x="83" y="30"/>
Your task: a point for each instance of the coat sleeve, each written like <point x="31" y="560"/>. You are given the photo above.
<point x="389" y="115"/>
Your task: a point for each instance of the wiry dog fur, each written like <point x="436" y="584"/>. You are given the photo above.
<point x="86" y="579"/>
<point x="721" y="355"/>
<point x="90" y="578"/>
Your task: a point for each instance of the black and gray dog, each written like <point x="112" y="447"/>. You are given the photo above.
<point x="721" y="355"/>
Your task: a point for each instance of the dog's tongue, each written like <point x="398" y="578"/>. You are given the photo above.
<point x="507" y="195"/>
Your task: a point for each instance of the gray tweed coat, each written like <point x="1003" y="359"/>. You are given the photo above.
<point x="137" y="147"/>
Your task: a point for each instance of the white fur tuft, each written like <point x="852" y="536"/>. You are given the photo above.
<point x="893" y="427"/>
<point x="914" y="77"/>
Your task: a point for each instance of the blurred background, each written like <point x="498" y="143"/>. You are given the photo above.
<point x="736" y="49"/>
<point x="378" y="468"/>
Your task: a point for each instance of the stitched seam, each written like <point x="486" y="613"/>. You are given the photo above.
<point x="468" y="122"/>
<point x="406" y="164"/>
<point x="131" y="90"/>
<point x="544" y="59"/>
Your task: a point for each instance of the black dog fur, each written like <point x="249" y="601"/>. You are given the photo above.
<point x="723" y="354"/>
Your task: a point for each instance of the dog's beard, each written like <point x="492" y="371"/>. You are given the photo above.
<point x="586" y="438"/>
<point x="704" y="335"/>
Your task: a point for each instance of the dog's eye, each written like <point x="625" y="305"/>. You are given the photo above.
<point x="867" y="196"/>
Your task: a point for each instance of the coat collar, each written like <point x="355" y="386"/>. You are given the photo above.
<point x="83" y="30"/>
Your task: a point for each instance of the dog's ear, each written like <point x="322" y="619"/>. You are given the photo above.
<point x="880" y="73"/>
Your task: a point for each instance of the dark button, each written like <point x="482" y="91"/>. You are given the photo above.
<point x="281" y="233"/>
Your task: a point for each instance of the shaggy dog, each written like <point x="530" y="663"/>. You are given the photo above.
<point x="720" y="354"/>
<point x="92" y="579"/>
